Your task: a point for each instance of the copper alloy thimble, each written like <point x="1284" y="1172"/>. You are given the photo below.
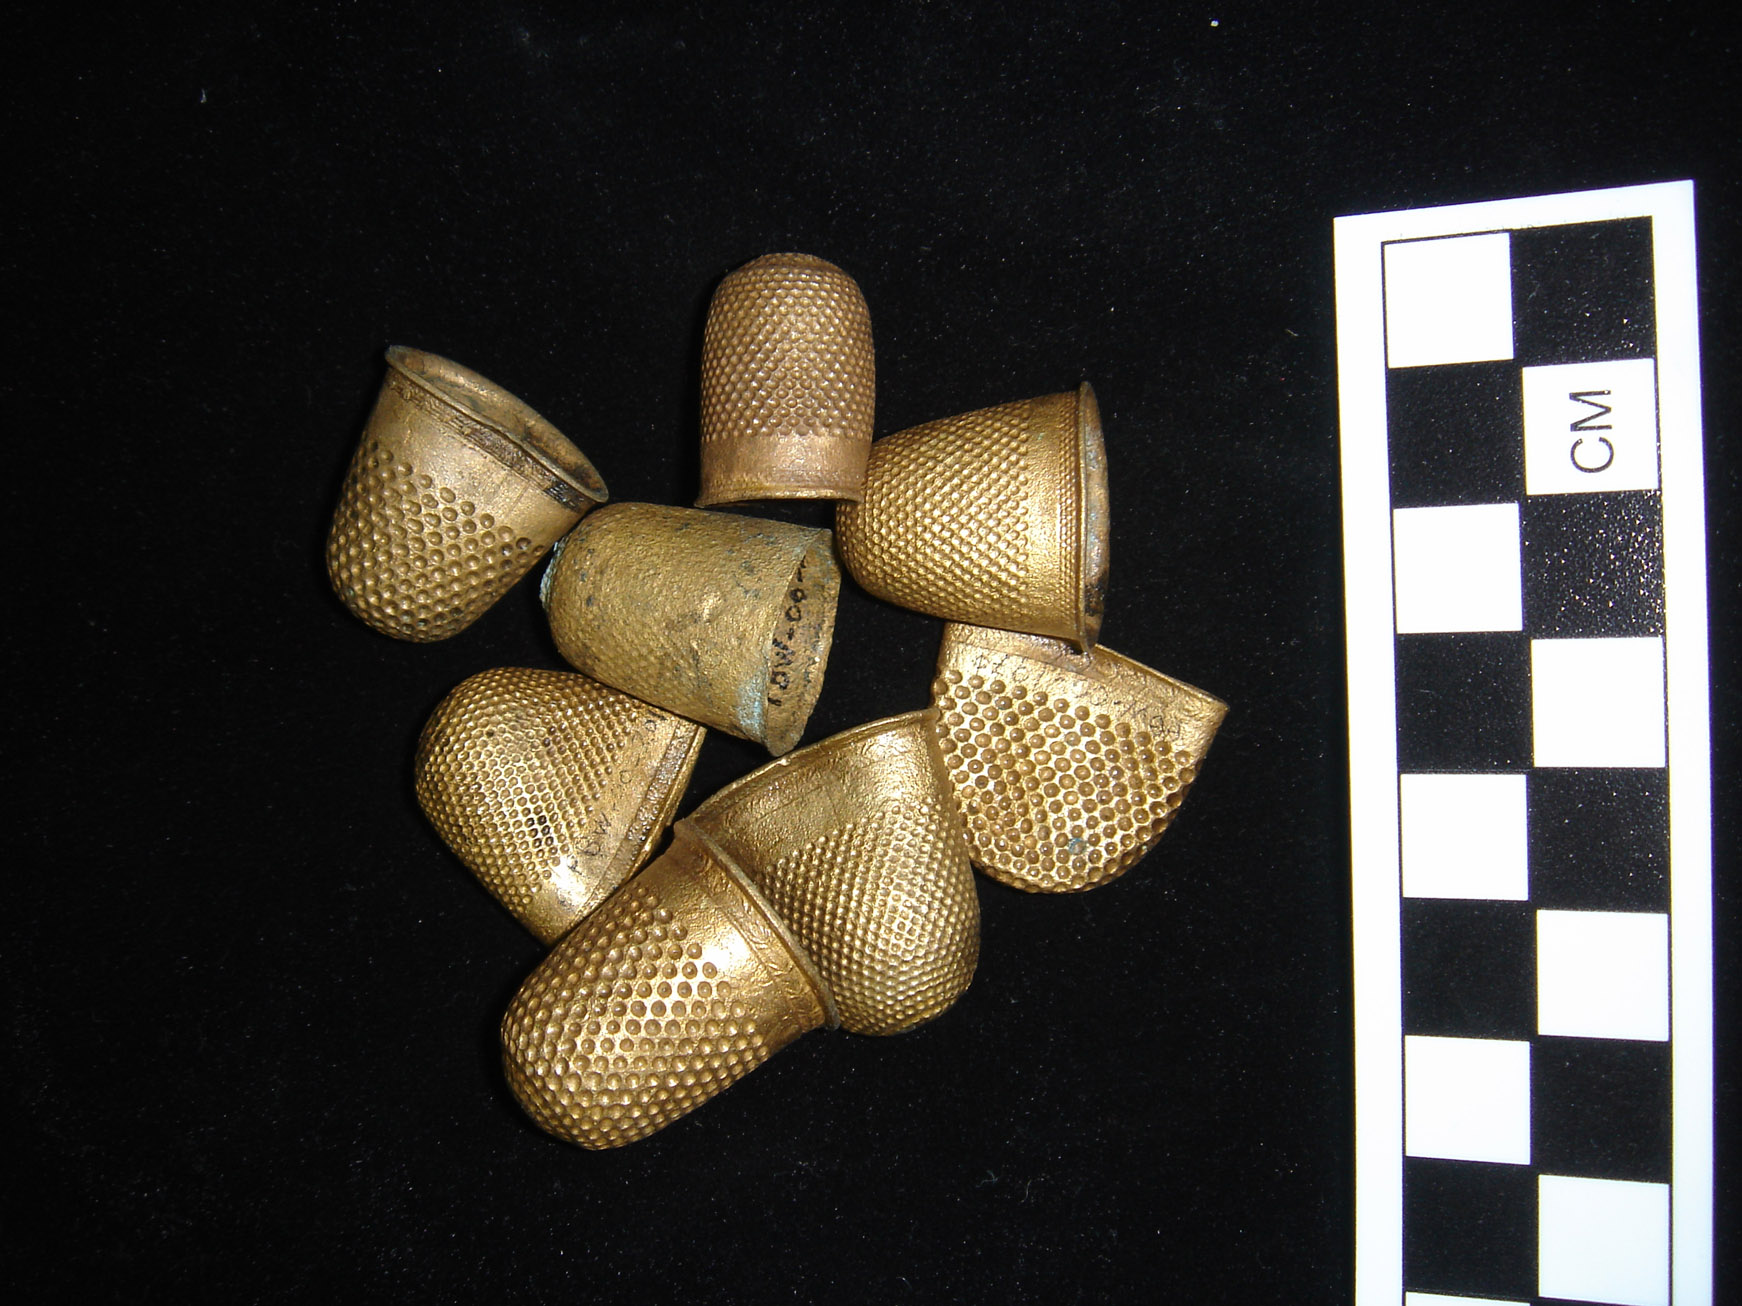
<point x="788" y="383"/>
<point x="997" y="517"/>
<point x="856" y="844"/>
<point x="723" y="619"/>
<point x="1066" y="766"/>
<point x="682" y="983"/>
<point x="551" y="787"/>
<point x="456" y="490"/>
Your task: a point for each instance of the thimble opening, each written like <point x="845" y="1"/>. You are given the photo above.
<point x="798" y="646"/>
<point x="1093" y="547"/>
<point x="504" y="413"/>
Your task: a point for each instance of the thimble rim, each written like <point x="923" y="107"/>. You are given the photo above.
<point x="1065" y="658"/>
<point x="482" y="400"/>
<point x="688" y="829"/>
<point x="822" y="748"/>
<point x="1094" y="524"/>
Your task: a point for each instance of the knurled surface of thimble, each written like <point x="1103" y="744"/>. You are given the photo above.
<point x="856" y="844"/>
<point x="1066" y="767"/>
<point x="996" y="517"/>
<point x="679" y="985"/>
<point x="788" y="383"/>
<point x="456" y="489"/>
<point x="723" y="619"/>
<point x="551" y="787"/>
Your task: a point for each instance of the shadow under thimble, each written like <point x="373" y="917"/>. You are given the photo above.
<point x="996" y="517"/>
<point x="856" y="844"/>
<point x="551" y="787"/>
<point x="456" y="489"/>
<point x="788" y="383"/>
<point x="723" y="619"/>
<point x="679" y="985"/>
<point x="1066" y="766"/>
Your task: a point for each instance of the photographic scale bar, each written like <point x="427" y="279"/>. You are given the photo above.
<point x="1529" y="757"/>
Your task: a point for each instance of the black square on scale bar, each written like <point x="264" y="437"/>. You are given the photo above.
<point x="1593" y="564"/>
<point x="1599" y="838"/>
<point x="1469" y="1228"/>
<point x="1456" y="434"/>
<point x="1600" y="1108"/>
<point x="1463" y="702"/>
<point x="1469" y="968"/>
<point x="1583" y="293"/>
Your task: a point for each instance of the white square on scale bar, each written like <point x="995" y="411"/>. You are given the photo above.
<point x="1466" y="1099"/>
<point x="1602" y="974"/>
<point x="1448" y="300"/>
<point x="1590" y="427"/>
<point x="1457" y="568"/>
<point x="1464" y="836"/>
<point x="1597" y="702"/>
<point x="1602" y="1240"/>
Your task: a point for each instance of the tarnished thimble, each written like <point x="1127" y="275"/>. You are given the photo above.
<point x="788" y="383"/>
<point x="856" y="844"/>
<point x="551" y="787"/>
<point x="456" y="490"/>
<point x="1066" y="766"/>
<point x="679" y="985"/>
<point x="997" y="517"/>
<point x="723" y="619"/>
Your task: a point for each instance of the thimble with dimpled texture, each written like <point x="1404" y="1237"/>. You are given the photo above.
<point x="996" y="517"/>
<point x="856" y="844"/>
<point x="551" y="787"/>
<point x="1066" y="766"/>
<point x="723" y="619"/>
<point x="679" y="985"/>
<point x="788" y="383"/>
<point x="456" y="489"/>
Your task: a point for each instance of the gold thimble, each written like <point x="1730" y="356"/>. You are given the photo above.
<point x="997" y="517"/>
<point x="456" y="490"/>
<point x="679" y="985"/>
<point x="723" y="619"/>
<point x="788" y="383"/>
<point x="856" y="844"/>
<point x="551" y="787"/>
<point x="1066" y="766"/>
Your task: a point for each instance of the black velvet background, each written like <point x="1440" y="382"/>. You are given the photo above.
<point x="249" y="999"/>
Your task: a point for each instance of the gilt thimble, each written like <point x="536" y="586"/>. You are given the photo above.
<point x="1066" y="766"/>
<point x="788" y="383"/>
<point x="456" y="490"/>
<point x="679" y="985"/>
<point x="996" y="517"/>
<point x="856" y="844"/>
<point x="551" y="787"/>
<point x="722" y="619"/>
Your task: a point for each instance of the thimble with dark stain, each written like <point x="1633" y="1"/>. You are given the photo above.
<point x="456" y="490"/>
<point x="551" y="787"/>
<point x="679" y="985"/>
<point x="996" y="517"/>
<point x="788" y="383"/>
<point x="723" y="619"/>
<point x="1066" y="766"/>
<point x="856" y="844"/>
